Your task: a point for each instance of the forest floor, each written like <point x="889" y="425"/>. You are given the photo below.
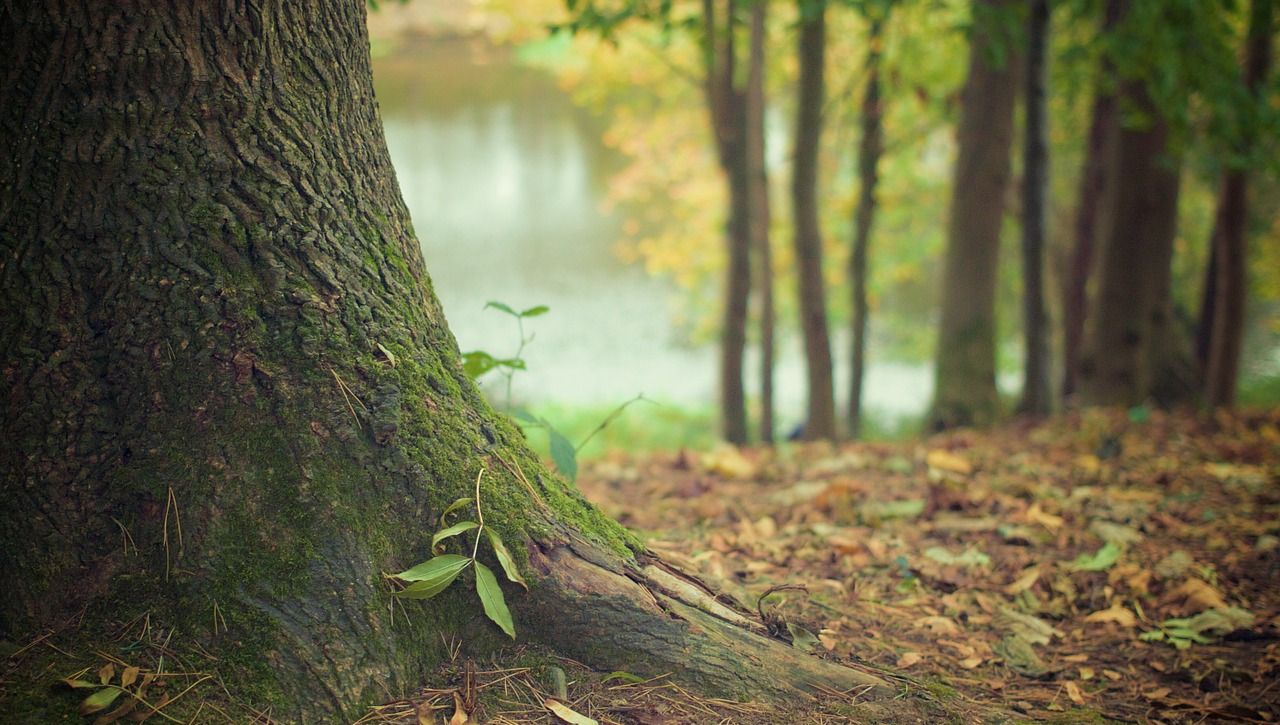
<point x="1100" y="566"/>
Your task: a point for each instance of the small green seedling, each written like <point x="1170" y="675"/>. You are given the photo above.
<point x="436" y="574"/>
<point x="478" y="362"/>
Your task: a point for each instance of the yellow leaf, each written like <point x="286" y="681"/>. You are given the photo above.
<point x="1197" y="596"/>
<point x="1074" y="692"/>
<point x="1036" y="516"/>
<point x="1087" y="673"/>
<point x="1025" y="581"/>
<point x="106" y="673"/>
<point x="1115" y="613"/>
<point x="947" y="461"/>
<point x="726" y="461"/>
<point x="567" y="714"/>
<point x="909" y="658"/>
<point x="460" y="716"/>
<point x="938" y="625"/>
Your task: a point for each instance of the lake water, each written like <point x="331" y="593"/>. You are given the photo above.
<point x="505" y="180"/>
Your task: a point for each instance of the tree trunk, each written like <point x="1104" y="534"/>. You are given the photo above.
<point x="869" y="151"/>
<point x="726" y="105"/>
<point x="1130" y="321"/>
<point x="965" y="387"/>
<point x="1093" y="179"/>
<point x="821" y="413"/>
<point x="1036" y="398"/>
<point x="231" y="397"/>
<point x="760" y="213"/>
<point x="1229" y="248"/>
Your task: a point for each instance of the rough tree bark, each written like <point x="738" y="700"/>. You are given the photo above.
<point x="1129" y="322"/>
<point x="760" y="213"/>
<point x="726" y="105"/>
<point x="869" y="150"/>
<point x="820" y="422"/>
<point x="1036" y="396"/>
<point x="205" y="263"/>
<point x="965" y="387"/>
<point x="1093" y="179"/>
<point x="1229" y="249"/>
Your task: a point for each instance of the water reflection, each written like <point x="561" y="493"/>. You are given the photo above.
<point x="504" y="179"/>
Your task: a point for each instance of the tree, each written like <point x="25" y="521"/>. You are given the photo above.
<point x="223" y="350"/>
<point x="1093" y="179"/>
<point x="1036" y="398"/>
<point x="759" y="212"/>
<point x="820" y="422"/>
<point x="869" y="151"/>
<point x="726" y="104"/>
<point x="1228" y="249"/>
<point x="965" y="383"/>
<point x="1129" y="322"/>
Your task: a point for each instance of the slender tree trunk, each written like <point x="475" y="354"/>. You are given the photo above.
<point x="760" y="213"/>
<point x="1229" y="247"/>
<point x="869" y="151"/>
<point x="1036" y="398"/>
<point x="726" y="105"/>
<point x="821" y="420"/>
<point x="1093" y="179"/>
<point x="1129" y="325"/>
<point x="965" y="388"/>
<point x="231" y="400"/>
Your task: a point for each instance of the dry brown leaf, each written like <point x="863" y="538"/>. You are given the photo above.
<point x="828" y="640"/>
<point x="1194" y="596"/>
<point x="460" y="715"/>
<point x="728" y="462"/>
<point x="971" y="662"/>
<point x="1116" y="613"/>
<point x="1087" y="673"/>
<point x="906" y="659"/>
<point x="568" y="714"/>
<point x="938" y="625"/>
<point x="1158" y="693"/>
<point x="947" y="461"/>
<point x="1074" y="692"/>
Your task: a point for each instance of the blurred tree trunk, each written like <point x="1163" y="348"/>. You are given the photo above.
<point x="1036" y="398"/>
<point x="726" y="103"/>
<point x="1229" y="247"/>
<point x="1130" y="334"/>
<point x="220" y="345"/>
<point x="1093" y="180"/>
<point x="869" y="151"/>
<point x="760" y="213"/>
<point x="820" y="422"/>
<point x="965" y="387"/>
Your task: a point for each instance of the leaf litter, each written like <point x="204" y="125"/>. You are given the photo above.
<point x="1100" y="563"/>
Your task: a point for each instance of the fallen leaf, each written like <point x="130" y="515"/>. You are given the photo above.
<point x="938" y="625"/>
<point x="1087" y="673"/>
<point x="1074" y="692"/>
<point x="906" y="659"/>
<point x="1025" y="581"/>
<point x="1158" y="693"/>
<point x="1194" y="596"/>
<point x="567" y="714"/>
<point x="1116" y="613"/>
<point x="728" y="462"/>
<point x="947" y="461"/>
<point x="460" y="715"/>
<point x="1036" y="516"/>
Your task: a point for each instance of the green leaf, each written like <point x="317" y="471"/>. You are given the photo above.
<point x="477" y="363"/>
<point x="968" y="558"/>
<point x="78" y="684"/>
<point x="535" y="311"/>
<point x="623" y="676"/>
<point x="512" y="363"/>
<point x="1103" y="559"/>
<point x="505" y="559"/>
<point x="455" y="506"/>
<point x="437" y="569"/>
<point x="1154" y="635"/>
<point x="524" y="416"/>
<point x="801" y="638"/>
<point x="495" y="606"/>
<point x="100" y="700"/>
<point x="563" y="454"/>
<point x="503" y="307"/>
<point x="458" y="528"/>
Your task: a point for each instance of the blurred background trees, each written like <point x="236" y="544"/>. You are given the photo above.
<point x="920" y="268"/>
